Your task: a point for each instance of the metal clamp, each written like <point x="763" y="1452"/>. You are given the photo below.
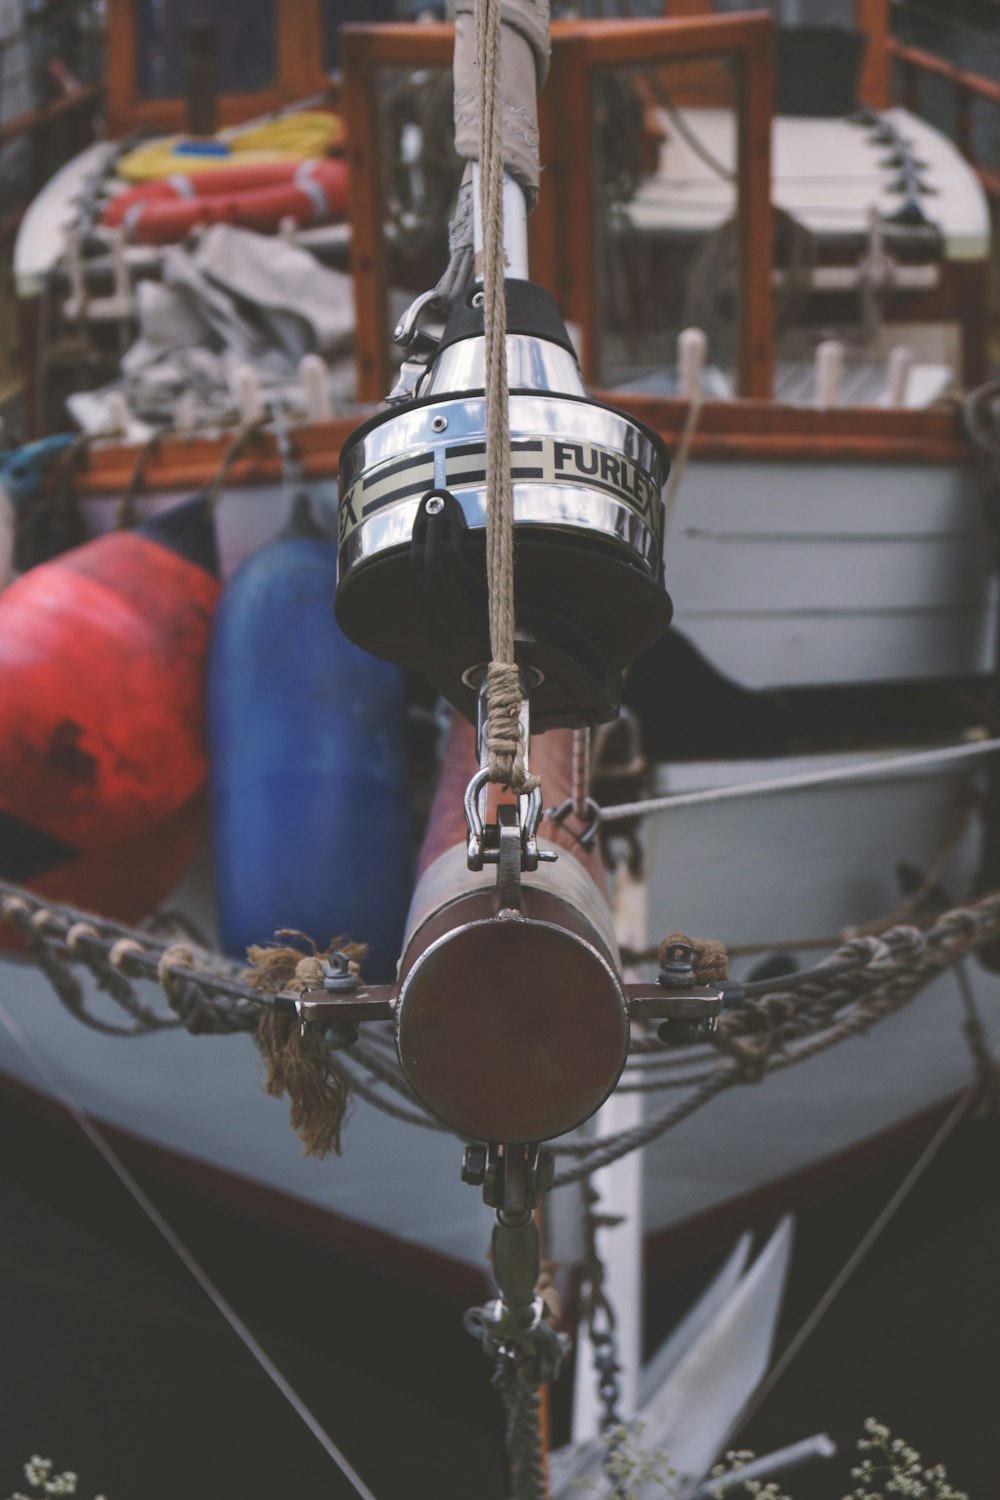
<point x="484" y="842"/>
<point x="421" y="348"/>
<point x="593" y="812"/>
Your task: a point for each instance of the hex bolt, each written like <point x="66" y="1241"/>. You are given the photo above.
<point x="434" y="506"/>
<point x="438" y="424"/>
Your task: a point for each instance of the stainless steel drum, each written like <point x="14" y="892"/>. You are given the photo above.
<point x="588" y="519"/>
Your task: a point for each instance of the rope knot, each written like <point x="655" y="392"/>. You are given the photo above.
<point x="504" y="746"/>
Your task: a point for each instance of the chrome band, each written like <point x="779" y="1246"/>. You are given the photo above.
<point x="532" y="364"/>
<point x="576" y="467"/>
<point x="555" y="506"/>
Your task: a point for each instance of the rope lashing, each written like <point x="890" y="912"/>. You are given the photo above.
<point x="299" y="1062"/>
<point x="766" y="1034"/>
<point x="505" y="751"/>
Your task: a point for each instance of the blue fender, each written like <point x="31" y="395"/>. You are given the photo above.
<point x="308" y="769"/>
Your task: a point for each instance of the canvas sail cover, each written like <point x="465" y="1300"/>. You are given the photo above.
<point x="525" y="50"/>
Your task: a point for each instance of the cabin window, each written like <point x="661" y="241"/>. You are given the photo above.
<point x="668" y="240"/>
<point x="246" y="44"/>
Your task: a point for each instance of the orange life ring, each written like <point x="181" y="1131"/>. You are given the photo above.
<point x="255" y="196"/>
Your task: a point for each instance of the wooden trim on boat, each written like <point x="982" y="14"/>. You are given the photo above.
<point x="875" y="82"/>
<point x="298" y="71"/>
<point x="966" y="87"/>
<point x="563" y="230"/>
<point x="753" y="430"/>
<point x="764" y="430"/>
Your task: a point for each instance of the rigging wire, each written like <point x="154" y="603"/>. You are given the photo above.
<point x="857" y="1255"/>
<point x="180" y="1249"/>
<point x="867" y="770"/>
<point x="905" y="8"/>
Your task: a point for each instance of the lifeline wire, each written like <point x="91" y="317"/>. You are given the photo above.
<point x="857" y="1255"/>
<point x="184" y="1255"/>
<point x="868" y="770"/>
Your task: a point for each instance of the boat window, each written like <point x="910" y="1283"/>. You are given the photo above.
<point x="246" y="46"/>
<point x="668" y="220"/>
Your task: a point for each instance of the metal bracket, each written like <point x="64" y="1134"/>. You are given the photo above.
<point x="591" y="828"/>
<point x="511" y="1177"/>
<point x="421" y="348"/>
<point x="369" y="1002"/>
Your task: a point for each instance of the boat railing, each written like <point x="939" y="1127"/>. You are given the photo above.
<point x="916" y="64"/>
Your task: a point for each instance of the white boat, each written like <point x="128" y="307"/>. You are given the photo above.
<point x="844" y="560"/>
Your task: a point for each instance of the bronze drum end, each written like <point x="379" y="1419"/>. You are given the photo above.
<point x="512" y="1029"/>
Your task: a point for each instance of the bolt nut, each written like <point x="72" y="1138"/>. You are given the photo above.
<point x="337" y="977"/>
<point x="438" y="424"/>
<point x="434" y="506"/>
<point x="474" y="1165"/>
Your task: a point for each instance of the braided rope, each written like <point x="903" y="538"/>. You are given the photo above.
<point x="522" y="1405"/>
<point x="209" y="995"/>
<point x="505" y="751"/>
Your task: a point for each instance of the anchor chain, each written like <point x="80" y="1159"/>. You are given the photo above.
<point x="598" y="1313"/>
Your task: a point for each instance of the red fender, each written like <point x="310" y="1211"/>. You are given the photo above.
<point x="183" y="186"/>
<point x="125" y="880"/>
<point x="313" y="192"/>
<point x="101" y="689"/>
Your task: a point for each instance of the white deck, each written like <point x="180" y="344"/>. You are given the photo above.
<point x="828" y="173"/>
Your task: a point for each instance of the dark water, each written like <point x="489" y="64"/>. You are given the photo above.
<point x="115" y="1365"/>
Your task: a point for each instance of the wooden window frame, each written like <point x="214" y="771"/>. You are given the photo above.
<point x="298" y="71"/>
<point x="566" y="265"/>
<point x="587" y="46"/>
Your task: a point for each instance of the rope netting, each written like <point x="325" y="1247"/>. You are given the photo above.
<point x="866" y="980"/>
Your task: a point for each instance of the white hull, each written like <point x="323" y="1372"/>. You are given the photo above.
<point x="798" y="865"/>
<point x="733" y="871"/>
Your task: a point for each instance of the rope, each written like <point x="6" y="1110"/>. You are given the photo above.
<point x="525" y="1449"/>
<point x="581" y="773"/>
<point x="217" y="484"/>
<point x="125" y="515"/>
<point x="679" y="463"/>
<point x="924" y="760"/>
<point x="863" y="982"/>
<point x="833" y="1291"/>
<point x="505" y="752"/>
<point x="785" y="1029"/>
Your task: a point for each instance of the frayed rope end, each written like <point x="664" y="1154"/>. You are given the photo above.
<point x="297" y="1059"/>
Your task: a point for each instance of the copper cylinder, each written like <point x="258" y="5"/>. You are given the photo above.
<point x="510" y="1025"/>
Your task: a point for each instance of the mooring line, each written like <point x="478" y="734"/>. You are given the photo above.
<point x="184" y="1255"/>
